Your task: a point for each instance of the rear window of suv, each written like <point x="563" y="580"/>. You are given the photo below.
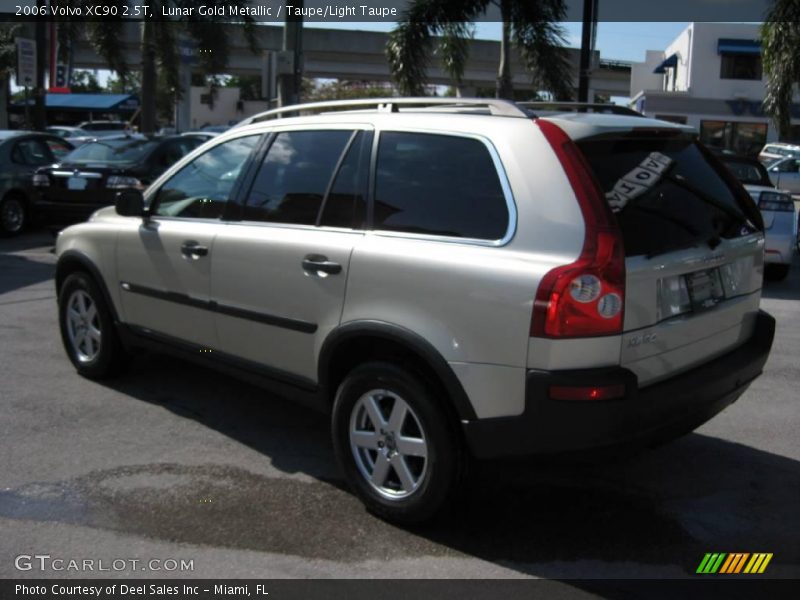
<point x="674" y="208"/>
<point x="438" y="185"/>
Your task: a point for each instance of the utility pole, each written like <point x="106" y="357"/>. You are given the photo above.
<point x="39" y="114"/>
<point x="587" y="47"/>
<point x="289" y="83"/>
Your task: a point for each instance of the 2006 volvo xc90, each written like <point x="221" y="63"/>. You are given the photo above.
<point x="448" y="278"/>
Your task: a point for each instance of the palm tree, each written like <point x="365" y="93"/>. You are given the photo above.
<point x="160" y="45"/>
<point x="8" y="60"/>
<point x="780" y="39"/>
<point x="531" y="25"/>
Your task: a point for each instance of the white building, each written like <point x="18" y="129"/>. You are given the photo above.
<point x="710" y="77"/>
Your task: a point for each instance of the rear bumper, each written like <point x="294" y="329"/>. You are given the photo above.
<point x="653" y="414"/>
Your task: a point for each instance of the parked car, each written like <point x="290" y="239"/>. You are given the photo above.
<point x="777" y="210"/>
<point x="21" y="152"/>
<point x="103" y="128"/>
<point x="202" y="135"/>
<point x="90" y="176"/>
<point x="66" y="131"/>
<point x="777" y="150"/>
<point x="785" y="174"/>
<point x="445" y="277"/>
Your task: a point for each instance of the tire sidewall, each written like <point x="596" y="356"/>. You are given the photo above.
<point x="444" y="452"/>
<point x="106" y="359"/>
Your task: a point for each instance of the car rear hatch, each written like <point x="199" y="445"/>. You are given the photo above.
<point x="693" y="245"/>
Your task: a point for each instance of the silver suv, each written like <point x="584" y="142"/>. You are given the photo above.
<point x="447" y="278"/>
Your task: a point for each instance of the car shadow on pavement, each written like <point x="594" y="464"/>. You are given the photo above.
<point x="19" y="271"/>
<point x="654" y="514"/>
<point x="788" y="289"/>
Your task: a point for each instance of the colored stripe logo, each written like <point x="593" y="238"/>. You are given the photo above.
<point x="734" y="563"/>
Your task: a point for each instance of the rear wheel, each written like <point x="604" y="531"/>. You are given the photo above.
<point x="87" y="328"/>
<point x="775" y="272"/>
<point x="395" y="443"/>
<point x="13" y="215"/>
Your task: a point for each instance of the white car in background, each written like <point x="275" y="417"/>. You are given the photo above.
<point x="777" y="210"/>
<point x="778" y="150"/>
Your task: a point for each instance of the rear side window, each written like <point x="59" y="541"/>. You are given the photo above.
<point x="438" y="185"/>
<point x="295" y="175"/>
<point x="672" y="209"/>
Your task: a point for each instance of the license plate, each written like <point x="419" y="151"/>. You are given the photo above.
<point x="76" y="183"/>
<point x="705" y="289"/>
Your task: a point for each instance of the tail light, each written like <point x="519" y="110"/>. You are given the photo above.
<point x="587" y="297"/>
<point x="775" y="201"/>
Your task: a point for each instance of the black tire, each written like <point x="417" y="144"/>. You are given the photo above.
<point x="445" y="458"/>
<point x="13" y="215"/>
<point x="775" y="272"/>
<point x="110" y="357"/>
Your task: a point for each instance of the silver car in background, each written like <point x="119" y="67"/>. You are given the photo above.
<point x="777" y="209"/>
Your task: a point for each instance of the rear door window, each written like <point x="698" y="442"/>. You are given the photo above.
<point x="435" y="184"/>
<point x="675" y="206"/>
<point x="295" y="176"/>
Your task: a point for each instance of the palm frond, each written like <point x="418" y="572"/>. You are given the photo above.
<point x="780" y="38"/>
<point x="542" y="44"/>
<point x="454" y="48"/>
<point x="409" y="47"/>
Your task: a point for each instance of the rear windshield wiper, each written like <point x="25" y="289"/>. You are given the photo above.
<point x="681" y="181"/>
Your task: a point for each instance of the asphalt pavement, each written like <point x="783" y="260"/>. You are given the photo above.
<point x="175" y="462"/>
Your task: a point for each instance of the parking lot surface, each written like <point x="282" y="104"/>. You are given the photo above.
<point x="173" y="461"/>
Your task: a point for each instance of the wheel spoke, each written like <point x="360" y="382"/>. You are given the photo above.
<point x="89" y="344"/>
<point x="91" y="313"/>
<point x="380" y="471"/>
<point x="398" y="416"/>
<point x="81" y="299"/>
<point x="94" y="333"/>
<point x="365" y="439"/>
<point x="403" y="473"/>
<point x="409" y="446"/>
<point x="374" y="412"/>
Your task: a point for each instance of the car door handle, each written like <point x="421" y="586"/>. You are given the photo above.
<point x="316" y="263"/>
<point x="191" y="249"/>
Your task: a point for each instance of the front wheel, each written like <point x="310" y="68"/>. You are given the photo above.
<point x="13" y="215"/>
<point x="87" y="328"/>
<point x="395" y="442"/>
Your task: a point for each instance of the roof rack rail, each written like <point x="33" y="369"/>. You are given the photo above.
<point x="503" y="108"/>
<point x="595" y="107"/>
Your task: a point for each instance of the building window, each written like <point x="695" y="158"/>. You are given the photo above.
<point x="742" y="138"/>
<point x="680" y="119"/>
<point x="741" y="66"/>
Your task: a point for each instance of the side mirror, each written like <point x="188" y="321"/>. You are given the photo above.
<point x="130" y="203"/>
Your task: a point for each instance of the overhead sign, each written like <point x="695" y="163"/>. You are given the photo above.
<point x="26" y="62"/>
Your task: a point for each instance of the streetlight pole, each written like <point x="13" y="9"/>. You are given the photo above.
<point x="289" y="83"/>
<point x="39" y="114"/>
<point x="587" y="31"/>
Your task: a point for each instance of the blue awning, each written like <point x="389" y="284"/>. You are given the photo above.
<point x="668" y="63"/>
<point x="731" y="46"/>
<point x="89" y="102"/>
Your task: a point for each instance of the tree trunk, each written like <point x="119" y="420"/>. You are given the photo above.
<point x="4" y="80"/>
<point x="148" y="91"/>
<point x="505" y="88"/>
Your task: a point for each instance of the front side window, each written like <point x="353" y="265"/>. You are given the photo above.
<point x="297" y="170"/>
<point x="32" y="153"/>
<point x="201" y="189"/>
<point x="438" y="185"/>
